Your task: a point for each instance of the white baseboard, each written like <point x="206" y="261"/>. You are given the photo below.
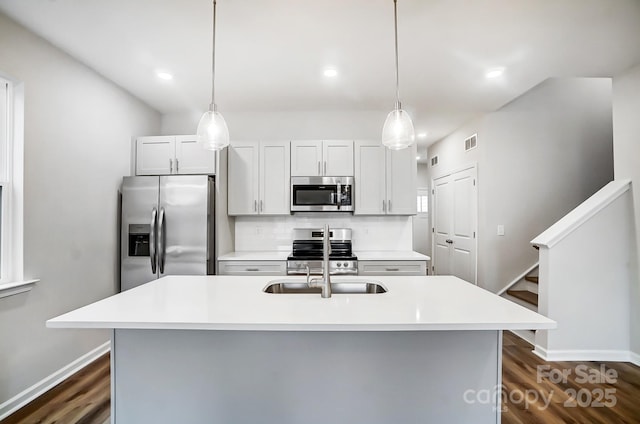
<point x="635" y="359"/>
<point x="47" y="383"/>
<point x="585" y="355"/>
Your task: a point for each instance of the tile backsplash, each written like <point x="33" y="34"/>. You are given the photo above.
<point x="265" y="233"/>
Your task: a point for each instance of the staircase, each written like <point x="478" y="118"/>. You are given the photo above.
<point x="524" y="292"/>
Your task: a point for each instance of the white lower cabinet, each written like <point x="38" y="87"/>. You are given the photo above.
<point x="392" y="267"/>
<point x="252" y="268"/>
<point x="259" y="178"/>
<point x="173" y="155"/>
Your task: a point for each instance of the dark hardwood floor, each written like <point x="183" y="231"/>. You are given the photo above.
<point x="534" y="391"/>
<point x="84" y="398"/>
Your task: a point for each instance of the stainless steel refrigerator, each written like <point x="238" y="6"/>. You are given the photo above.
<point x="167" y="227"/>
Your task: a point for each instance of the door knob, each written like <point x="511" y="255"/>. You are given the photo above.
<point x="449" y="241"/>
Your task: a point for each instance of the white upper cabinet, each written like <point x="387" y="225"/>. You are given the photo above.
<point x="385" y="180"/>
<point x="259" y="178"/>
<point x="167" y="155"/>
<point x="331" y="158"/>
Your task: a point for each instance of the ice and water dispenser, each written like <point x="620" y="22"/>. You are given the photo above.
<point x="139" y="239"/>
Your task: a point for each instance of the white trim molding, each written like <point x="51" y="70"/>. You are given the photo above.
<point x="635" y="359"/>
<point x="518" y="278"/>
<point x="47" y="383"/>
<point x="581" y="214"/>
<point x="10" y="289"/>
<point x="586" y="355"/>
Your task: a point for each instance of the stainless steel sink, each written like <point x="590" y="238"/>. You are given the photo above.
<point x="337" y="287"/>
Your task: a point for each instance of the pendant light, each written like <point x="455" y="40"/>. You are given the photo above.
<point x="212" y="132"/>
<point x="397" y="132"/>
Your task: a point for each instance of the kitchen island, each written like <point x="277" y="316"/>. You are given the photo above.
<point x="194" y="349"/>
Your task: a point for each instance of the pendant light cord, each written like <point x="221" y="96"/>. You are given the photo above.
<point x="395" y="23"/>
<point x="212" y="106"/>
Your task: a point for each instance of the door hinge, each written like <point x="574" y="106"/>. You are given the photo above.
<point x="474" y="182"/>
<point x="433" y="191"/>
<point x="433" y="230"/>
<point x="474" y="234"/>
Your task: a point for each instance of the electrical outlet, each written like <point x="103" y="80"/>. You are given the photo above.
<point x="501" y="230"/>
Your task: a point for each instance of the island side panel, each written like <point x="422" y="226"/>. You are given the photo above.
<point x="194" y="376"/>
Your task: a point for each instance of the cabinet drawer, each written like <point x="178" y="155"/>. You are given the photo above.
<point x="392" y="268"/>
<point x="252" y="268"/>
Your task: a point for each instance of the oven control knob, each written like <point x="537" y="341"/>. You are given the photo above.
<point x="339" y="264"/>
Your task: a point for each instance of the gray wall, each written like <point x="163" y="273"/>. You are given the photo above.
<point x="626" y="127"/>
<point x="78" y="129"/>
<point x="538" y="157"/>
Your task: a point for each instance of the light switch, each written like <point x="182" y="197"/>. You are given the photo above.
<point x="500" y="230"/>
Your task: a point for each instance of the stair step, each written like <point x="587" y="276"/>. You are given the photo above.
<point x="532" y="278"/>
<point x="527" y="296"/>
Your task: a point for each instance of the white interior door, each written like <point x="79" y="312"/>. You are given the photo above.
<point x="442" y="220"/>
<point x="463" y="248"/>
<point x="455" y="225"/>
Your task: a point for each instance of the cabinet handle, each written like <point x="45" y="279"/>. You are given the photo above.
<point x="325" y="167"/>
<point x="255" y="206"/>
<point x="384" y="206"/>
<point x="170" y="166"/>
<point x="252" y="269"/>
<point x="392" y="269"/>
<point x="177" y="169"/>
<point x="261" y="208"/>
<point x="319" y="168"/>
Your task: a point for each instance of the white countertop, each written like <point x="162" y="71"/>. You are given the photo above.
<point x="238" y="303"/>
<point x="381" y="255"/>
<point x="255" y="256"/>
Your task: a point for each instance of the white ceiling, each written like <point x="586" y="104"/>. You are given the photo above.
<point x="271" y="53"/>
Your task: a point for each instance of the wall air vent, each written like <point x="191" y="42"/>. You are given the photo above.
<point x="471" y="142"/>
<point x="434" y="161"/>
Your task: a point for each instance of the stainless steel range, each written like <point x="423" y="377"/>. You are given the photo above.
<point x="307" y="252"/>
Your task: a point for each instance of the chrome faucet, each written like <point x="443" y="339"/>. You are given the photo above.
<point x="325" y="282"/>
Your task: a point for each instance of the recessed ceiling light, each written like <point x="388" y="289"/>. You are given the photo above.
<point x="417" y="157"/>
<point x="330" y="73"/>
<point x="422" y="135"/>
<point x="494" y="73"/>
<point x="164" y="75"/>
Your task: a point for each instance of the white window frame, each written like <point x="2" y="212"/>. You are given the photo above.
<point x="11" y="180"/>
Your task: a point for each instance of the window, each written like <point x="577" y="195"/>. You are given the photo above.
<point x="423" y="201"/>
<point x="11" y="165"/>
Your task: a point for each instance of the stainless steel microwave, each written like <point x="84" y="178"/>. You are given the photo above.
<point x="321" y="194"/>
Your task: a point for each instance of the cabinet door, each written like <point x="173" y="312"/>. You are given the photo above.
<point x="275" y="179"/>
<point x="402" y="170"/>
<point x="392" y="267"/>
<point x="370" y="173"/>
<point x="306" y="158"/>
<point x="191" y="158"/>
<point x="252" y="268"/>
<point x="337" y="158"/>
<point x="243" y="178"/>
<point x="155" y="155"/>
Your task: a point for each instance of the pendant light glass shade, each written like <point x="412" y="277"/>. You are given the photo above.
<point x="397" y="132"/>
<point x="213" y="132"/>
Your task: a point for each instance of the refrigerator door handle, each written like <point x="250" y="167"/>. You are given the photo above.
<point x="152" y="240"/>
<point x="161" y="241"/>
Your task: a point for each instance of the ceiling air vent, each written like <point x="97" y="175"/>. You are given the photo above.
<point x="471" y="142"/>
<point x="434" y="161"/>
